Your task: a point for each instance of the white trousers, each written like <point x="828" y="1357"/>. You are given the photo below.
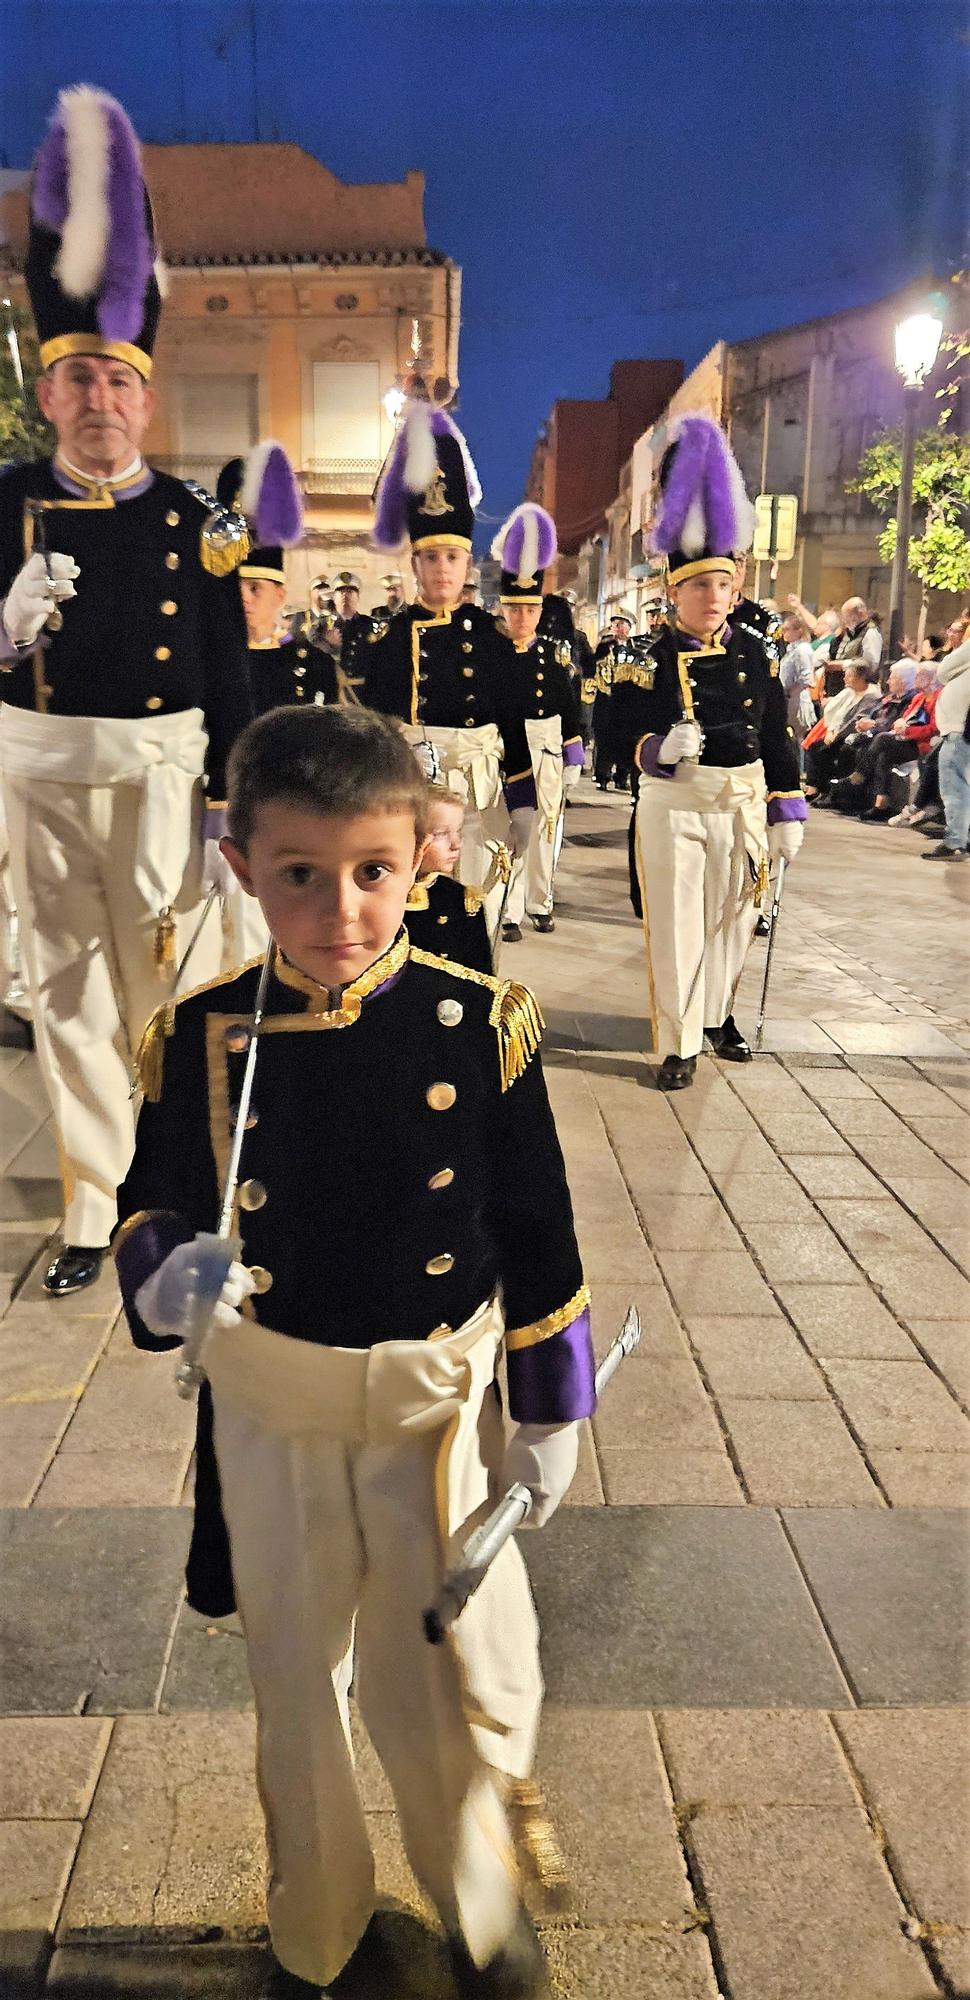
<point x="699" y="910"/>
<point x="349" y="1479"/>
<point x="530" y="889"/>
<point x="87" y="934"/>
<point x="471" y="768"/>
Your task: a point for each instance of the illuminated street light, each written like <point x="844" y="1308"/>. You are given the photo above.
<point x="917" y="346"/>
<point x="394" y="401"/>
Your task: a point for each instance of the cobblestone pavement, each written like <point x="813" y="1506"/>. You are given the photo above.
<point x="755" y="1601"/>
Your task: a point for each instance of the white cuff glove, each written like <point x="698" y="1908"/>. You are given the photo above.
<point x="33" y="595"/>
<point x="216" y="872"/>
<point x="521" y="822"/>
<point x="543" y="1458"/>
<point x="785" y="839"/>
<point x="162" y="1301"/>
<point x="683" y="740"/>
<point x="571" y="774"/>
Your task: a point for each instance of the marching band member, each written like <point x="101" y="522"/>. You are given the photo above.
<point x="441" y="914"/>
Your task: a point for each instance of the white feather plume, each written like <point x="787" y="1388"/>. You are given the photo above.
<point x="743" y="509"/>
<point x="254" y="466"/>
<point x="420" y="457"/>
<point x="529" y="557"/>
<point x="693" y="534"/>
<point x="84" y="237"/>
<point x="161" y="277"/>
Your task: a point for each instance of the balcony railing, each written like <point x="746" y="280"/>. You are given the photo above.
<point x="319" y="475"/>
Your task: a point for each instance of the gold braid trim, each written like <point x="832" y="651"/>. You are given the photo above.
<point x="514" y="1014"/>
<point x="150" y="1060"/>
<point x="222" y="562"/>
<point x="536" y="1843"/>
<point x="554" y="1322"/>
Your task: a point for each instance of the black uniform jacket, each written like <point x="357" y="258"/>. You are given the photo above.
<point x="444" y="668"/>
<point x="444" y="917"/>
<point x="151" y="629"/>
<point x="403" y="1167"/>
<point x="735" y="693"/>
<point x="290" y="672"/>
<point x="542" y="682"/>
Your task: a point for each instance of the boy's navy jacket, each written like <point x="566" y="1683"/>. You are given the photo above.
<point x="447" y="919"/>
<point x="402" y="1168"/>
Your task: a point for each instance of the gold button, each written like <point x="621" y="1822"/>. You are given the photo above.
<point x="168" y="607"/>
<point x="742" y="677"/>
<point x="441" y="920"/>
<point x="469" y="722"/>
<point x="252" y="1195"/>
<point x="441" y="1096"/>
<point x="441" y="1332"/>
<point x="466" y="646"/>
<point x="262" y="1279"/>
<point x="450" y="1012"/>
<point x="154" y="701"/>
<point x="748" y="703"/>
<point x="46" y="691"/>
<point x="469" y="673"/>
<point x="443" y="1179"/>
<point x="299" y="693"/>
<point x="163" y="652"/>
<point x="172" y="519"/>
<point x="437" y="1267"/>
<point x="171" y="560"/>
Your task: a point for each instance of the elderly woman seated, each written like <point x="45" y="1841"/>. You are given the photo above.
<point x="892" y="738"/>
<point x="840" y="714"/>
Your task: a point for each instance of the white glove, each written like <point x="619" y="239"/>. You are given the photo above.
<point x="163" y="1298"/>
<point x="521" y="822"/>
<point x="216" y="872"/>
<point x="33" y="595"/>
<point x="571" y="774"/>
<point x="429" y="761"/>
<point x="683" y="740"/>
<point x="785" y="839"/>
<point x="543" y="1458"/>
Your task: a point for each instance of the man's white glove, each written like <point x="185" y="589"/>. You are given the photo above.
<point x="521" y="822"/>
<point x="163" y="1299"/>
<point x="571" y="774"/>
<point x="785" y="839"/>
<point x="216" y="872"/>
<point x="543" y="1458"/>
<point x="33" y="595"/>
<point x="683" y="740"/>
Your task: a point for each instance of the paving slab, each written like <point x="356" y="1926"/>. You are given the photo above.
<point x="662" y="1336"/>
<point x="685" y="1606"/>
<point x="187" y="1784"/>
<point x="899" y="1403"/>
<point x="914" y="1769"/>
<point x="894" y="1591"/>
<point x="49" y="1765"/>
<point x="207" y="1668"/>
<point x="669" y="1476"/>
<point x="888" y="1038"/>
<point x="844" y="1320"/>
<point x="760" y="1358"/>
<point x="911" y="1478"/>
<point x="945" y="1343"/>
<point x="657" y="1402"/>
<point x="804" y="1907"/>
<point x="131" y="1405"/>
<point x="115" y="1478"/>
<point x="87" y="1601"/>
<point x="162" y="1970"/>
<point x="687" y="1222"/>
<point x="754" y="1757"/>
<point x="923" y="1287"/>
<point x="626" y="1965"/>
<point x="723" y="1282"/>
<point x="757" y="1197"/>
<point x="35" y="1862"/>
<point x="833" y="1175"/>
<point x="21" y="1469"/>
<point x="797" y="1454"/>
<point x="626" y="1867"/>
<point x="724" y="1152"/>
<point x="805" y="1252"/>
<point x="44" y="1358"/>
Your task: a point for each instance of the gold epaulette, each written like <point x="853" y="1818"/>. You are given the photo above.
<point x="636" y="673"/>
<point x="474" y="898"/>
<point x="221" y="560"/>
<point x="150" y="1060"/>
<point x="515" y="1014"/>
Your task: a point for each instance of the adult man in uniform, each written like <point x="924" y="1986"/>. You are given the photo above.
<point x="613" y="653"/>
<point x="537" y="666"/>
<point x="115" y="722"/>
<point x="703" y="714"/>
<point x="438" y="666"/>
<point x="352" y="632"/>
<point x="393" y="587"/>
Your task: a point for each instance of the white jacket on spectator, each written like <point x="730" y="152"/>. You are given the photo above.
<point x="953" y="701"/>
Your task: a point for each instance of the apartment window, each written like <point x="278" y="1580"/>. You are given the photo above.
<point x="346" y="411"/>
<point x="218" y="414"/>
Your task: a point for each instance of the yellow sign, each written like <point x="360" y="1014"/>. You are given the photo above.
<point x="775" y="527"/>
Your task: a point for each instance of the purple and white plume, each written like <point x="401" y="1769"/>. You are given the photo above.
<point x="89" y="189"/>
<point x="527" y="541"/>
<point x="703" y="504"/>
<point x="410" y="467"/>
<point x="270" y="497"/>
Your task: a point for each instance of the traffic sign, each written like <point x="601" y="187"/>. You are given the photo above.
<point x="775" y="525"/>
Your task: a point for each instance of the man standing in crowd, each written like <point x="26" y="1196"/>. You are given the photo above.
<point x="703" y="715"/>
<point x="124" y="677"/>
<point x="351" y="633"/>
<point x="861" y="638"/>
<point x="438" y="667"/>
<point x="613" y="653"/>
<point x="393" y="587"/>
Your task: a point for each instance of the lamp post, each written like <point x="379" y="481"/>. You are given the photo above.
<point x="917" y="346"/>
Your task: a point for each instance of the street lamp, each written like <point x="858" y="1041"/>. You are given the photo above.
<point x="917" y="346"/>
<point x="394" y="401"/>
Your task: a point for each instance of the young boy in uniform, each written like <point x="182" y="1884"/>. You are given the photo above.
<point x="440" y="913"/>
<point x="403" y="1214"/>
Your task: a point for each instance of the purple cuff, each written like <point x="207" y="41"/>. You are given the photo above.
<point x="554" y="1382"/>
<point x="780" y="810"/>
<point x="140" y="1246"/>
<point x="648" y="758"/>
<point x="216" y="818"/>
<point x="572" y="752"/>
<point x="521" y="791"/>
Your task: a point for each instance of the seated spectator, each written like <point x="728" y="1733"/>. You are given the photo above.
<point x="823" y="744"/>
<point x="853" y="791"/>
<point x="953" y="722"/>
<point x="909" y="737"/>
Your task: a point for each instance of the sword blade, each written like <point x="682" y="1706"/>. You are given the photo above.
<point x="775" y="908"/>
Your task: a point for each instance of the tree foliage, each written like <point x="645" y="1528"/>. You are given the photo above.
<point x="22" y="434"/>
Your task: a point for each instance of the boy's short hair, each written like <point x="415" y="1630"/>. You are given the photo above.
<point x="338" y="762"/>
<point x="442" y="795"/>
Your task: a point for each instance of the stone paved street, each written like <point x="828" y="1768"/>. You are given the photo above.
<point x="755" y="1603"/>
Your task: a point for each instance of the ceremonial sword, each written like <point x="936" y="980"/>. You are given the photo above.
<point x="775" y="907"/>
<point x="35" y="508"/>
<point x="483" y="1546"/>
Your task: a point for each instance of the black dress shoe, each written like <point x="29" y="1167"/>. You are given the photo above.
<point x="727" y="1041"/>
<point x="877" y="815"/>
<point x="511" y="934"/>
<point x="944" y="853"/>
<point x="517" y="1972"/>
<point x="763" y="926"/>
<point x="72" y="1270"/>
<point x="676" y="1072"/>
<point x="543" y="923"/>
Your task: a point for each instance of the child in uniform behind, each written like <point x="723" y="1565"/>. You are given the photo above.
<point x="404" y="1215"/>
<point x="441" y="915"/>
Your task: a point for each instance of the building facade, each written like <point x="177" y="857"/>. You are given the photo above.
<point x="295" y="305"/>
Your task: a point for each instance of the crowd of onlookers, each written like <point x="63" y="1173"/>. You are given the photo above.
<point x="860" y="721"/>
